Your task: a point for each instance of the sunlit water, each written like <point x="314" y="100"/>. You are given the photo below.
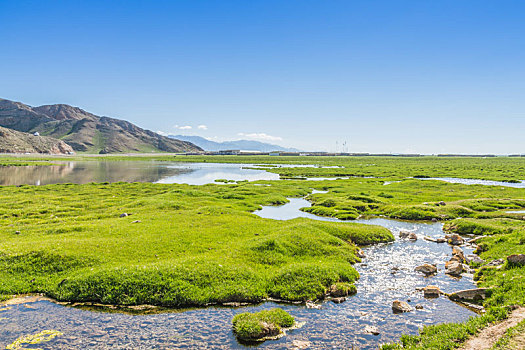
<point x="334" y="326"/>
<point x="130" y="171"/>
<point x="478" y="182"/>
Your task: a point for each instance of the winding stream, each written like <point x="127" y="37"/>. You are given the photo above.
<point x="387" y="273"/>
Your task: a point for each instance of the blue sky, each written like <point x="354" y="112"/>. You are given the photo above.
<point x="384" y="76"/>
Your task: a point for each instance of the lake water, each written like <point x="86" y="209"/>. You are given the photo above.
<point x="387" y="273"/>
<point x="130" y="171"/>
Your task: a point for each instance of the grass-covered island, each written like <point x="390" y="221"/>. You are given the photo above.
<point x="261" y="325"/>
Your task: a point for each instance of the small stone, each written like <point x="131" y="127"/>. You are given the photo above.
<point x="338" y="300"/>
<point x="441" y="240"/>
<point x="427" y="269"/>
<point x="497" y="262"/>
<point x="452" y="260"/>
<point x="400" y="306"/>
<point x="136" y="222"/>
<point x="474" y="240"/>
<point x="412" y="236"/>
<point x="516" y="259"/>
<point x="455" y="239"/>
<point x="458" y="252"/>
<point x="473" y="258"/>
<point x="360" y="254"/>
<point x="442" y="203"/>
<point x="312" y="305"/>
<point x="469" y="294"/>
<point x="431" y="292"/>
<point x="123" y="215"/>
<point x="454" y="268"/>
<point x="17" y="232"/>
<point x="404" y="234"/>
<point x="372" y="330"/>
<point x="419" y="307"/>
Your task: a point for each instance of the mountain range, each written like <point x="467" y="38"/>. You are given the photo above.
<point x="83" y="131"/>
<point x="244" y="145"/>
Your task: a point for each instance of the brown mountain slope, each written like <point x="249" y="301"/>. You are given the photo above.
<point x="12" y="141"/>
<point x="86" y="132"/>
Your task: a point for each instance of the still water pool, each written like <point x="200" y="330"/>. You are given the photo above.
<point x="130" y="171"/>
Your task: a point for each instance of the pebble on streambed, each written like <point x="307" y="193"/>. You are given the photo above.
<point x="372" y="330"/>
<point x="431" y="292"/>
<point x="406" y="234"/>
<point x="427" y="269"/>
<point x="400" y="306"/>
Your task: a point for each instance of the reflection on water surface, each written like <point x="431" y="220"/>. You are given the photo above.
<point x="129" y="171"/>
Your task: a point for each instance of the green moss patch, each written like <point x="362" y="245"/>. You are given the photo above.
<point x="261" y="325"/>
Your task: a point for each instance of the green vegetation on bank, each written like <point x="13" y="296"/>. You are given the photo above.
<point x="8" y="161"/>
<point x="261" y="325"/>
<point x="412" y="199"/>
<point x="180" y="246"/>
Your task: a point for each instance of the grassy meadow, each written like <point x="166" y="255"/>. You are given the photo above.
<point x="191" y="246"/>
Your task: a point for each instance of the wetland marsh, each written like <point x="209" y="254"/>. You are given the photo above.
<point x="179" y="245"/>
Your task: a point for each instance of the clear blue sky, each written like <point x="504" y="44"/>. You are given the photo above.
<point x="385" y="76"/>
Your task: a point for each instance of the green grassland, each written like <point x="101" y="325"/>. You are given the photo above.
<point x="412" y="199"/>
<point x="194" y="245"/>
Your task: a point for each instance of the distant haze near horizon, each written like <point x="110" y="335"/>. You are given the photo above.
<point x="382" y="76"/>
